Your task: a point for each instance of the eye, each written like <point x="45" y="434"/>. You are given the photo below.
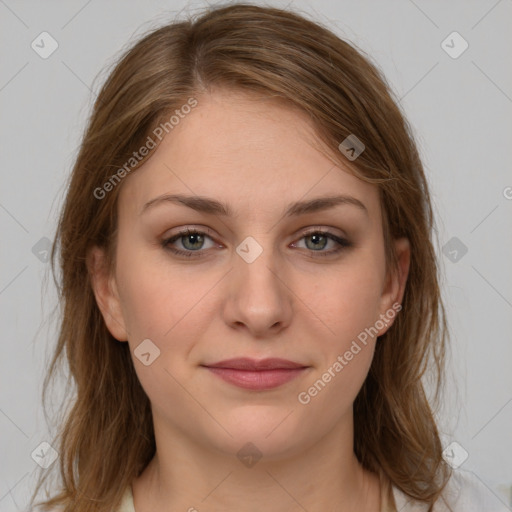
<point x="317" y="240"/>
<point x="191" y="239"/>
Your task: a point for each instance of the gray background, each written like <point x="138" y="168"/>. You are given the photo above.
<point x="460" y="109"/>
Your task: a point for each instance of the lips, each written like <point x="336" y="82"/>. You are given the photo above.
<point x="257" y="375"/>
<point x="245" y="363"/>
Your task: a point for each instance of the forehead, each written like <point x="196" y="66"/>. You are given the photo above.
<point x="251" y="152"/>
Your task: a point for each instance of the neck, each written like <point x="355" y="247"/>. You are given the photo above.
<point x="325" y="477"/>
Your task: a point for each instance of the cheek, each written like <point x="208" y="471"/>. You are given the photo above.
<point x="157" y="297"/>
<point x="348" y="306"/>
<point x="163" y="305"/>
<point x="346" y="299"/>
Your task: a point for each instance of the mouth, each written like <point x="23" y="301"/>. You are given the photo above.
<point x="257" y="374"/>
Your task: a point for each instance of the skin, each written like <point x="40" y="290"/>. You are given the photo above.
<point x="257" y="156"/>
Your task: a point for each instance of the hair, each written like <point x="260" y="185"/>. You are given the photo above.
<point x="106" y="438"/>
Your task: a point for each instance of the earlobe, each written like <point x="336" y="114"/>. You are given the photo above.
<point x="105" y="291"/>
<point x="395" y="286"/>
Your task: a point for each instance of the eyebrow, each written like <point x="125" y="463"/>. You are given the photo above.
<point x="212" y="206"/>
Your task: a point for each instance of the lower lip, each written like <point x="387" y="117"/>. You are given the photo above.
<point x="257" y="380"/>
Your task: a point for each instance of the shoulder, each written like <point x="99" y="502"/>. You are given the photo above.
<point x="465" y="492"/>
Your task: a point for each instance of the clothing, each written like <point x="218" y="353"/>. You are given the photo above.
<point x="464" y="492"/>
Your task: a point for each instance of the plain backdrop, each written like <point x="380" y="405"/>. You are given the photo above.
<point x="459" y="104"/>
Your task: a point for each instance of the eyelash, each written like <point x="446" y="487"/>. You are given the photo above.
<point x="343" y="243"/>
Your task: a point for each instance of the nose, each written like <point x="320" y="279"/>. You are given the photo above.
<point x="259" y="300"/>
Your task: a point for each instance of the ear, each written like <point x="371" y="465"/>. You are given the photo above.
<point x="105" y="291"/>
<point x="394" y="288"/>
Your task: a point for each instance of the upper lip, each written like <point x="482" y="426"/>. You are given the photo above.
<point x="245" y="363"/>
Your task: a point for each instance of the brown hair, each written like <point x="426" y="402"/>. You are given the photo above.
<point x="107" y="438"/>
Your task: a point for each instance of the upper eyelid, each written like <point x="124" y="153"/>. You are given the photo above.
<point x="313" y="227"/>
<point x="210" y="233"/>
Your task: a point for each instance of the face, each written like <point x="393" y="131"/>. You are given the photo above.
<point x="266" y="280"/>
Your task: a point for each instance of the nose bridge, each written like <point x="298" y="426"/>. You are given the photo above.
<point x="255" y="263"/>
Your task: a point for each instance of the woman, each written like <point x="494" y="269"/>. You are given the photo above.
<point x="249" y="286"/>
